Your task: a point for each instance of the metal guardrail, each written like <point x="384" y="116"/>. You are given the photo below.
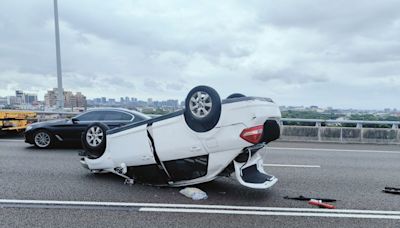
<point x="358" y="123"/>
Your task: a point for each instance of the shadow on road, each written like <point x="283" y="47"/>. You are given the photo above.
<point x="11" y="135"/>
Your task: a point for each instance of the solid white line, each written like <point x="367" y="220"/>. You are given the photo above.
<point x="193" y="206"/>
<point x="298" y="214"/>
<point x="335" y="150"/>
<point x="295" y="166"/>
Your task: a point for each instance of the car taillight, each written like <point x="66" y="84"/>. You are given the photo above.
<point x="252" y="134"/>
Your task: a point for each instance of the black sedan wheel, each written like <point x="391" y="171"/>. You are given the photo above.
<point x="43" y="139"/>
<point x="202" y="108"/>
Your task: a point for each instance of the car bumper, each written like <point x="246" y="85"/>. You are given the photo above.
<point x="28" y="135"/>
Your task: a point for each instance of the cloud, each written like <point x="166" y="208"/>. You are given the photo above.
<point x="163" y="49"/>
<point x="291" y="76"/>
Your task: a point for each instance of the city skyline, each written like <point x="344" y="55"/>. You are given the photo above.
<point x="140" y="101"/>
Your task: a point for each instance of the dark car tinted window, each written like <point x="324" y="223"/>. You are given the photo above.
<point x="138" y="118"/>
<point x="90" y="116"/>
<point x="114" y="115"/>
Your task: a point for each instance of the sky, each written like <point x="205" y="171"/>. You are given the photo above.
<point x="343" y="54"/>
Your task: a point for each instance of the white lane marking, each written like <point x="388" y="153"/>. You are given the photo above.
<point x="294" y="166"/>
<point x="190" y="206"/>
<point x="335" y="150"/>
<point x="11" y="140"/>
<point x="276" y="213"/>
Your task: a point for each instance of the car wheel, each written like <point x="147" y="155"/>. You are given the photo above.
<point x="202" y="108"/>
<point x="235" y="95"/>
<point x="94" y="139"/>
<point x="43" y="139"/>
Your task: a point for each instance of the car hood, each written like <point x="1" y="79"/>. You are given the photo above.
<point x="49" y="123"/>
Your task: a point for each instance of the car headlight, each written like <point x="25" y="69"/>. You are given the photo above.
<point x="28" y="127"/>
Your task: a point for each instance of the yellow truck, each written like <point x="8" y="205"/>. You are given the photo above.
<point x="15" y="120"/>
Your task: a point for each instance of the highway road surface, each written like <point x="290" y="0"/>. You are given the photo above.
<point x="49" y="188"/>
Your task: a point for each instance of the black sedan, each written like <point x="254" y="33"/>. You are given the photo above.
<point x="69" y="131"/>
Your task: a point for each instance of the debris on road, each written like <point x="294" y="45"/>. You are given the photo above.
<point x="302" y="198"/>
<point x="392" y="190"/>
<point x="194" y="193"/>
<point x="129" y="181"/>
<point x="320" y="204"/>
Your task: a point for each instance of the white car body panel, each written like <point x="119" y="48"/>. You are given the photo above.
<point x="173" y="139"/>
<point x="131" y="147"/>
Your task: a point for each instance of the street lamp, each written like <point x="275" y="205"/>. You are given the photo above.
<point x="60" y="94"/>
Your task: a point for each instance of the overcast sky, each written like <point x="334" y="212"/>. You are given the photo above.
<point x="302" y="52"/>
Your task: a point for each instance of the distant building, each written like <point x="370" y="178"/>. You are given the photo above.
<point x="3" y="100"/>
<point x="80" y="100"/>
<point x="71" y="100"/>
<point x="14" y="100"/>
<point x="50" y="98"/>
<point x="19" y="94"/>
<point x="30" y="98"/>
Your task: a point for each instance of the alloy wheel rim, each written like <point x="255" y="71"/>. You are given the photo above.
<point x="94" y="136"/>
<point x="200" y="104"/>
<point x="42" y="139"/>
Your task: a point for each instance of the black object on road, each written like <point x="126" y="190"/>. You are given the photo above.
<point x="302" y="198"/>
<point x="392" y="190"/>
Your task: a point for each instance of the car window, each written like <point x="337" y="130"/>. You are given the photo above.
<point x="114" y="115"/>
<point x="90" y="116"/>
<point x="138" y="118"/>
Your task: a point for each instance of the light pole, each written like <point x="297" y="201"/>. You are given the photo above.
<point x="60" y="94"/>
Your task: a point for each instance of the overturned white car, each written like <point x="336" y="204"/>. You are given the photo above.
<point x="207" y="139"/>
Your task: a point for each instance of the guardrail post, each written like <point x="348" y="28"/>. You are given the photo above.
<point x="360" y="126"/>
<point x="318" y="125"/>
<point x="341" y="134"/>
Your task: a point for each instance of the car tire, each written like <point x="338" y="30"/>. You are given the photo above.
<point x="43" y="139"/>
<point x="94" y="139"/>
<point x="235" y="95"/>
<point x="202" y="108"/>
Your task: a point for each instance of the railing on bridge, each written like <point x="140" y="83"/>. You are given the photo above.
<point x="341" y="131"/>
<point x="357" y="123"/>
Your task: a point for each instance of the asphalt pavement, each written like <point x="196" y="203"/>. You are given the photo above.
<point x="49" y="188"/>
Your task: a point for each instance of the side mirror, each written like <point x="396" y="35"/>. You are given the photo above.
<point x="74" y="120"/>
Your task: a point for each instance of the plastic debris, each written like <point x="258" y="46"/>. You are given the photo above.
<point x="392" y="190"/>
<point x="194" y="193"/>
<point x="129" y="182"/>
<point x="302" y="198"/>
<point x="320" y="204"/>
